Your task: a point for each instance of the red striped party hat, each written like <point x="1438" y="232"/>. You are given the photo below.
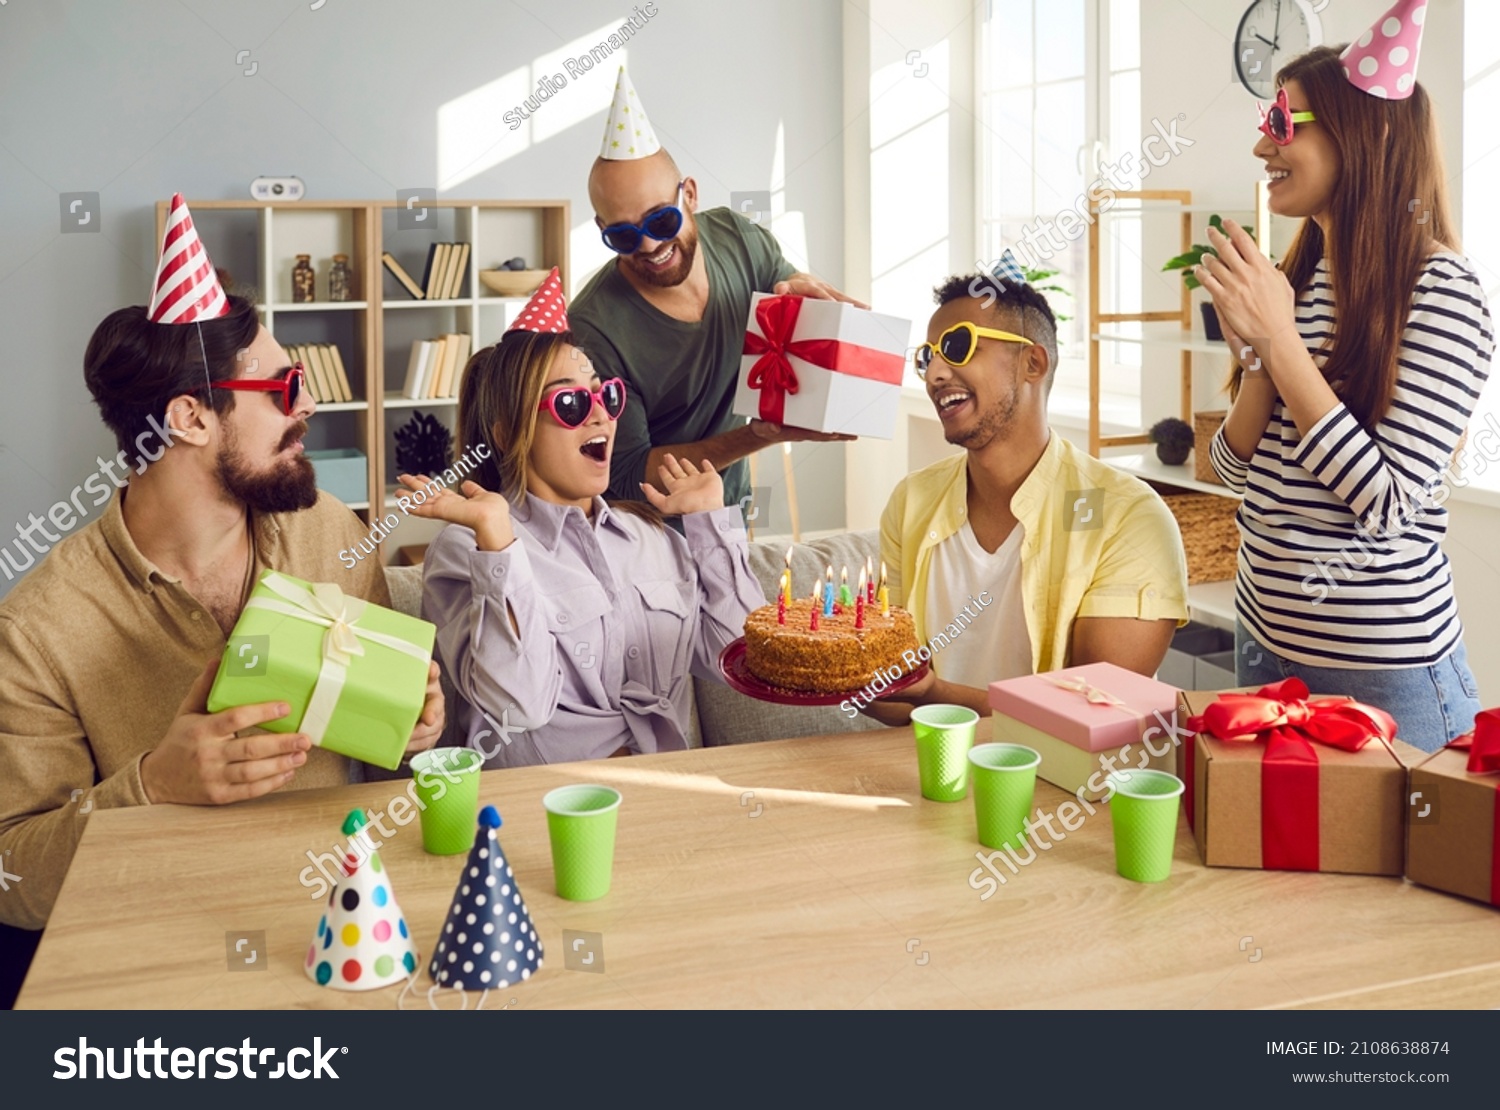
<point x="187" y="288"/>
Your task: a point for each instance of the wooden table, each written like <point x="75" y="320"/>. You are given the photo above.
<point x="800" y="873"/>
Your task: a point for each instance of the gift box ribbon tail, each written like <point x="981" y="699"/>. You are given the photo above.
<point x="1289" y="804"/>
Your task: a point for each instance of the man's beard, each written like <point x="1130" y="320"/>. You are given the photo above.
<point x="288" y="485"/>
<point x="682" y="265"/>
<point x="994" y="423"/>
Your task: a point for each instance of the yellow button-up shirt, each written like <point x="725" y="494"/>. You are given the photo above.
<point x="1097" y="543"/>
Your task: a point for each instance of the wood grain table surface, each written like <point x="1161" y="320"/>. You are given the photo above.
<point x="797" y="873"/>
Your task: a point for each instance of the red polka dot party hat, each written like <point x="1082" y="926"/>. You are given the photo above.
<point x="363" y="942"/>
<point x="489" y="940"/>
<point x="546" y="311"/>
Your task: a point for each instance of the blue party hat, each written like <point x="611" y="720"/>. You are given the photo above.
<point x="1008" y="269"/>
<point x="488" y="941"/>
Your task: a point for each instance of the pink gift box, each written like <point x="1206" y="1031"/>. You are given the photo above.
<point x="1070" y="715"/>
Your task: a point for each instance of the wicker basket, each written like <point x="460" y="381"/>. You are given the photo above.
<point x="1205" y="426"/>
<point x="1209" y="534"/>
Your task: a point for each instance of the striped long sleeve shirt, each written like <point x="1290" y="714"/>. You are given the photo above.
<point x="1340" y="562"/>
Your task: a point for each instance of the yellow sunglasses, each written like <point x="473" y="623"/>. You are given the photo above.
<point x="958" y="344"/>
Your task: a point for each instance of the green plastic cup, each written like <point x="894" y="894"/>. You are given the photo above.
<point x="945" y="733"/>
<point x="1004" y="777"/>
<point x="581" y="823"/>
<point x="448" y="787"/>
<point x="1144" y="811"/>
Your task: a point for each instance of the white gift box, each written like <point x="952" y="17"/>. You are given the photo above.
<point x="838" y="370"/>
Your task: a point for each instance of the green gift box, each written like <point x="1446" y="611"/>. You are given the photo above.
<point x="353" y="673"/>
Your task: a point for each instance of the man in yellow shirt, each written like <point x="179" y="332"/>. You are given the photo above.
<point x="1024" y="554"/>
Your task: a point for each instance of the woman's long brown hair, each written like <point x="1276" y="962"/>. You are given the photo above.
<point x="498" y="402"/>
<point x="1389" y="205"/>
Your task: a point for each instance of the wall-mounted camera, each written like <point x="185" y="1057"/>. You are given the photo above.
<point x="277" y="188"/>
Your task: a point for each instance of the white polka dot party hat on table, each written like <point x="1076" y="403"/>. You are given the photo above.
<point x="362" y="942"/>
<point x="1383" y="60"/>
<point x="488" y="940"/>
<point x="546" y="311"/>
<point x="628" y="134"/>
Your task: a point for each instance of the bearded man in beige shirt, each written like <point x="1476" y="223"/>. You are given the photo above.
<point x="108" y="648"/>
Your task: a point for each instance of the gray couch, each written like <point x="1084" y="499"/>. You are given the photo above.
<point x="721" y="715"/>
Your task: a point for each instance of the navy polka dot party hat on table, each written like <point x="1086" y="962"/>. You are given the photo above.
<point x="488" y="940"/>
<point x="363" y="942"/>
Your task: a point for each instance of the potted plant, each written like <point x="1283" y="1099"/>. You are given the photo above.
<point x="1173" y="439"/>
<point x="1041" y="281"/>
<point x="1193" y="257"/>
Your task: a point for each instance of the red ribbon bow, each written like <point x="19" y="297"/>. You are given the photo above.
<point x="772" y="372"/>
<point x="1483" y="744"/>
<point x="1281" y="717"/>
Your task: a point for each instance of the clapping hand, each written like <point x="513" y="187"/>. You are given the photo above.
<point x="689" y="489"/>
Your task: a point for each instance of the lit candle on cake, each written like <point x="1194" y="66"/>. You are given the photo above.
<point x="816" y="600"/>
<point x="869" y="580"/>
<point x="885" y="598"/>
<point x="786" y="578"/>
<point x="828" y="593"/>
<point x="844" y="598"/>
<point x="859" y="600"/>
<point x="781" y="608"/>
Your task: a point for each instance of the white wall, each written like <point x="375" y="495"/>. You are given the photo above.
<point x="138" y="100"/>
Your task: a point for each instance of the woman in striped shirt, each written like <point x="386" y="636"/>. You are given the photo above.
<point x="1361" y="361"/>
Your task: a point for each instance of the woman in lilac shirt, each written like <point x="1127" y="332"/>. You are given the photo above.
<point x="569" y="626"/>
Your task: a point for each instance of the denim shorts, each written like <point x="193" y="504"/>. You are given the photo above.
<point x="1431" y="705"/>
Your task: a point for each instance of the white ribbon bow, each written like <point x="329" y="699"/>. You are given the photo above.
<point x="327" y="605"/>
<point x="1092" y="694"/>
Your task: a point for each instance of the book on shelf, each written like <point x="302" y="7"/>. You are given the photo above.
<point x="460" y="268"/>
<point x="460" y="361"/>
<point x="413" y="369"/>
<point x="443" y="379"/>
<point x="432" y="276"/>
<point x="323" y="389"/>
<point x="398" y="271"/>
<point x="418" y="369"/>
<point x="341" y="376"/>
<point x="450" y="271"/>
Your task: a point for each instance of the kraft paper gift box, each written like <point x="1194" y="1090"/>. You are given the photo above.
<point x="353" y="673"/>
<point x="822" y="365"/>
<point x="1278" y="780"/>
<point x="1086" y="721"/>
<point x="1453" y="824"/>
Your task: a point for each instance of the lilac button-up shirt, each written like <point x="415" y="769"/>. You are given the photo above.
<point x="610" y="615"/>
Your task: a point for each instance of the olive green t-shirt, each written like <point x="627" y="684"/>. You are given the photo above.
<point x="680" y="377"/>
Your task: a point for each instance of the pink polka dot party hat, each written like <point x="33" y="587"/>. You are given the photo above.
<point x="489" y="940"/>
<point x="362" y="942"/>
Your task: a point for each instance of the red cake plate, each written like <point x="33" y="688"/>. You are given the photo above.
<point x="738" y="676"/>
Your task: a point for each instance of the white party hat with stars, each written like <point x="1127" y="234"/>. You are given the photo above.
<point x="628" y="133"/>
<point x="488" y="941"/>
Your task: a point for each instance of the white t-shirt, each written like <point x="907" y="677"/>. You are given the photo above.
<point x="994" y="645"/>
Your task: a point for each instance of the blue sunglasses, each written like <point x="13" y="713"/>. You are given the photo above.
<point x="661" y="225"/>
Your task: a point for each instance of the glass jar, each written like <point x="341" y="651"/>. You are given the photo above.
<point x="339" y="278"/>
<point x="302" y="280"/>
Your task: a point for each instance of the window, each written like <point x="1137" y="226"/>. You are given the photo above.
<point x="1059" y="91"/>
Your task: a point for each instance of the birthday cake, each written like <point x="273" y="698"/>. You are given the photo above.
<point x="834" y="658"/>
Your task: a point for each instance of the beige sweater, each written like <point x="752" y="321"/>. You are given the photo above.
<point x="97" y="650"/>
